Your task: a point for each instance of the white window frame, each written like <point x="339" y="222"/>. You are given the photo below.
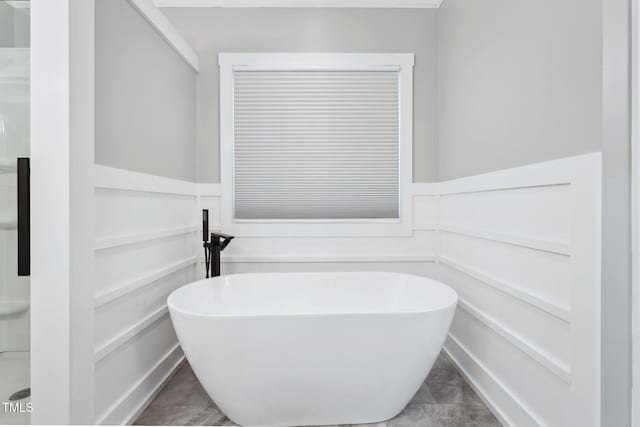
<point x="403" y="62"/>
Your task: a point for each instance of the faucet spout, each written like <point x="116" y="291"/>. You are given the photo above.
<point x="212" y="251"/>
<point x="223" y="239"/>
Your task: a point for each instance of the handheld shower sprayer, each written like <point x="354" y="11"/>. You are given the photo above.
<point x="213" y="247"/>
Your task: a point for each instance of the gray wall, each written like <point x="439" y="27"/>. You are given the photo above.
<point x="616" y="217"/>
<point x="145" y="97"/>
<point x="213" y="30"/>
<point x="520" y="82"/>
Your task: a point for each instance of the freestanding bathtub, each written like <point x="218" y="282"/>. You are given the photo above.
<point x="295" y="349"/>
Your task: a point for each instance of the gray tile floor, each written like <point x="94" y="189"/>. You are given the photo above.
<point x="444" y="400"/>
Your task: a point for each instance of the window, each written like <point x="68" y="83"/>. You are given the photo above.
<point x="315" y="137"/>
<point x="316" y="144"/>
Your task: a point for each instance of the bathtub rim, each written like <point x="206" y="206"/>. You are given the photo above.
<point x="191" y="313"/>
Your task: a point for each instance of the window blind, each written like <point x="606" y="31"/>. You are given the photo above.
<point x="316" y="144"/>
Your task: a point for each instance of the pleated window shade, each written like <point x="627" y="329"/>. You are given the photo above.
<point x="316" y="144"/>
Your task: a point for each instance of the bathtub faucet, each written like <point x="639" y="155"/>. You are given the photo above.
<point x="213" y="247"/>
<point x="212" y="251"/>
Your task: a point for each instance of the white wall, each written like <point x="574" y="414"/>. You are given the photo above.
<point x="145" y="248"/>
<point x="522" y="248"/>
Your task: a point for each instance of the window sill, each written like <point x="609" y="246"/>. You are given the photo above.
<point x="314" y="228"/>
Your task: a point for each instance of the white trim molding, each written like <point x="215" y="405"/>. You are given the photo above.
<point x="560" y="369"/>
<point x="165" y="28"/>
<point x="120" y="179"/>
<point x="133" y="331"/>
<point x="488" y="387"/>
<point x="561" y="312"/>
<point x="136" y="283"/>
<point x="296" y="61"/>
<point x="403" y="62"/>
<point x="62" y="211"/>
<point x="403" y="4"/>
<point x="154" y="379"/>
<point x="336" y="259"/>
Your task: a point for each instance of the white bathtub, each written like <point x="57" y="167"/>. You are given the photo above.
<point x="295" y="349"/>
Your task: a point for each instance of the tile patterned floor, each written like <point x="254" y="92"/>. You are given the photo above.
<point x="444" y="400"/>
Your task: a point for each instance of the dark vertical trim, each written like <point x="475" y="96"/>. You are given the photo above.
<point x="24" y="218"/>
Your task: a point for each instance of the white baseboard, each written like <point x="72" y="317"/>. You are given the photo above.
<point x="147" y="401"/>
<point x="499" y="397"/>
<point x="118" y="414"/>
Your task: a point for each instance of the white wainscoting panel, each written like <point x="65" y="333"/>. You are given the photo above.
<point x="124" y="212"/>
<point x="520" y="246"/>
<point x="519" y="212"/>
<point x="267" y="251"/>
<point x="423" y="268"/>
<point x="121" y="373"/>
<point x="425" y="211"/>
<point x="419" y="247"/>
<point x="148" y="242"/>
<point x="146" y="245"/>
<point x="540" y="274"/>
<point x="522" y="249"/>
